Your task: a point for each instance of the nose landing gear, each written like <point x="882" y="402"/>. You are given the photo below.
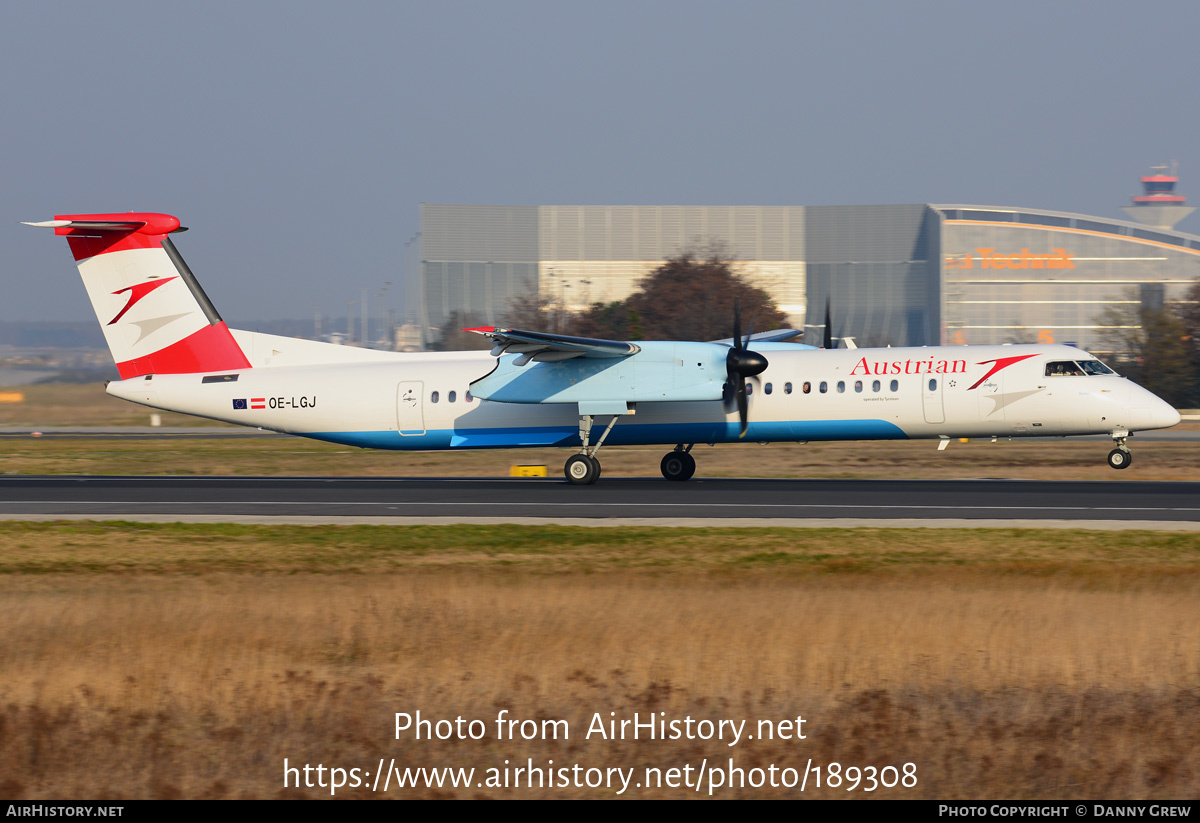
<point x="1120" y="457"/>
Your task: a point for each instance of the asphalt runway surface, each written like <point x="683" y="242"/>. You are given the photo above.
<point x="1176" y="435"/>
<point x="610" y="502"/>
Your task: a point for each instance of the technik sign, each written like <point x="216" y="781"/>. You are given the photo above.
<point x="1024" y="259"/>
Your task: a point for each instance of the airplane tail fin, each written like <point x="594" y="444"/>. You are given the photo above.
<point x="155" y="316"/>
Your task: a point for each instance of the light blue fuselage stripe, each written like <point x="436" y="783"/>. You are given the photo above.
<point x="623" y="434"/>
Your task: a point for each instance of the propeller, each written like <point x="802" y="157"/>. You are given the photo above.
<point x="828" y="342"/>
<point x="741" y="363"/>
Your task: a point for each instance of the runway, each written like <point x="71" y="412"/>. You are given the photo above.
<point x="1187" y="433"/>
<point x="615" y="501"/>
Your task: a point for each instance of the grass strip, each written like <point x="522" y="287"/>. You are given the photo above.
<point x="118" y="547"/>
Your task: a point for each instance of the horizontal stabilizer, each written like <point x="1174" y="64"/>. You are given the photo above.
<point x="87" y="224"/>
<point x="84" y="224"/>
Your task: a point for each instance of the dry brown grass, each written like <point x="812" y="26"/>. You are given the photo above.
<point x="139" y="670"/>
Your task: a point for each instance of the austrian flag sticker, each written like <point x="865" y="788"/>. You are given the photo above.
<point x="258" y="402"/>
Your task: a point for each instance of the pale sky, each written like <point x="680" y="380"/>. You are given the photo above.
<point x="297" y="139"/>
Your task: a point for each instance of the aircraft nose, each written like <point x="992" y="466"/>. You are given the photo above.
<point x="1164" y="415"/>
<point x="1149" y="411"/>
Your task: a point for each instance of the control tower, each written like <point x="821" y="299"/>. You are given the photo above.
<point x="1159" y="205"/>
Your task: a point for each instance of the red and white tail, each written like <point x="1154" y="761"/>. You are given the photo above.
<point x="155" y="316"/>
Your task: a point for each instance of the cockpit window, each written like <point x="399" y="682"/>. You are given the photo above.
<point x="1095" y="367"/>
<point x="1070" y="368"/>
<point x="1063" y="368"/>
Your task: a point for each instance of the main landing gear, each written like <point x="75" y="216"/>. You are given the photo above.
<point x="583" y="469"/>
<point x="679" y="464"/>
<point x="1120" y="457"/>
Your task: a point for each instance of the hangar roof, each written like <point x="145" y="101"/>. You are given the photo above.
<point x="1065" y="220"/>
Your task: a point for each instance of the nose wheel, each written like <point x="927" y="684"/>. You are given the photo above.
<point x="1120" y="458"/>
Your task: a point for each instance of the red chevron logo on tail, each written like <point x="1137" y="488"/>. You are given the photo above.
<point x="136" y="293"/>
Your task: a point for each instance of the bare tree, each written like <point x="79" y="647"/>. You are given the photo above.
<point x="535" y="311"/>
<point x="1019" y="336"/>
<point x="686" y="298"/>
<point x="452" y="337"/>
<point x="1154" y="347"/>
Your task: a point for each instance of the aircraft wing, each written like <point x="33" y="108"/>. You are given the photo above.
<point x="543" y="348"/>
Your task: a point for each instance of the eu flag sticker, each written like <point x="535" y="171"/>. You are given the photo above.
<point x="239" y="404"/>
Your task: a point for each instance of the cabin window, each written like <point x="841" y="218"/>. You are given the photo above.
<point x="876" y="386"/>
<point x="433" y="398"/>
<point x="841" y="386"/>
<point x="450" y="398"/>
<point x="787" y="388"/>
<point x="858" y="386"/>
<point x="895" y="385"/>
<point x="824" y="387"/>
<point x="933" y="385"/>
<point x="768" y="388"/>
<point x="467" y="398"/>
<point x="807" y="387"/>
<point x="749" y="388"/>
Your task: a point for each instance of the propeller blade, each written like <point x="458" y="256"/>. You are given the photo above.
<point x="741" y="363"/>
<point x="743" y="406"/>
<point x="828" y="341"/>
<point x="737" y="324"/>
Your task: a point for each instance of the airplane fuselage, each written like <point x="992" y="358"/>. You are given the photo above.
<point x="424" y="401"/>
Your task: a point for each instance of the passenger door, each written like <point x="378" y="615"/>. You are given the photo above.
<point x="932" y="396"/>
<point x="410" y="417"/>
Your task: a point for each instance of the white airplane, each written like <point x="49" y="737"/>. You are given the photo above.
<point x="174" y="352"/>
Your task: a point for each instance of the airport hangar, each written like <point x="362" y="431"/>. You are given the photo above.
<point x="904" y="275"/>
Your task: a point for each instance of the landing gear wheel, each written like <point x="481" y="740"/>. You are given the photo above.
<point x="678" y="466"/>
<point x="1120" y="458"/>
<point x="582" y="470"/>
